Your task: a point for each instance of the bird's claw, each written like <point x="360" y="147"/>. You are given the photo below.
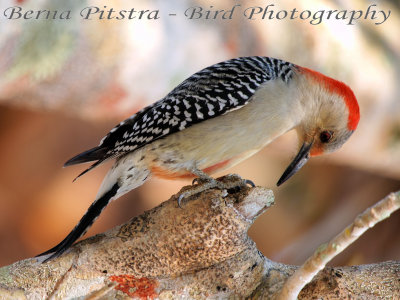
<point x="180" y="198"/>
<point x="250" y="183"/>
<point x="200" y="180"/>
<point x="197" y="180"/>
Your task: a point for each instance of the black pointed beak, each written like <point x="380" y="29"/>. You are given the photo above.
<point x="299" y="161"/>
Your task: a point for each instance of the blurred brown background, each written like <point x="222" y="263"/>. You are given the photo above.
<point x="65" y="83"/>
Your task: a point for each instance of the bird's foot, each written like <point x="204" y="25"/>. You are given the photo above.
<point x="234" y="183"/>
<point x="231" y="183"/>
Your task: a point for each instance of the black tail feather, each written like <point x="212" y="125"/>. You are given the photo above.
<point x="96" y="153"/>
<point x="88" y="169"/>
<point x="84" y="224"/>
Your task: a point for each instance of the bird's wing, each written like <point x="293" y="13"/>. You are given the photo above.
<point x="209" y="93"/>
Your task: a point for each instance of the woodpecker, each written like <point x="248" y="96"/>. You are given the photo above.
<point x="214" y="119"/>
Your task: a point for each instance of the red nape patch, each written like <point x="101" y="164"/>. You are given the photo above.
<point x="143" y="288"/>
<point x="341" y="89"/>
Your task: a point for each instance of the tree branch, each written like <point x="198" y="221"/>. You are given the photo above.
<point x="201" y="251"/>
<point x="326" y="252"/>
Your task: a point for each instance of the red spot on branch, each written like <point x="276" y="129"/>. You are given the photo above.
<point x="143" y="288"/>
<point x="341" y="89"/>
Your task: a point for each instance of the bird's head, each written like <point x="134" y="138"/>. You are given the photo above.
<point x="331" y="115"/>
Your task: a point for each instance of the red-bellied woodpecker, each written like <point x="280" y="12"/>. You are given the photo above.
<point x="216" y="118"/>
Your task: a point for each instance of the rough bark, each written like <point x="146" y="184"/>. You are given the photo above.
<point x="202" y="250"/>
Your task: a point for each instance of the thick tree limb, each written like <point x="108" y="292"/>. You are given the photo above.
<point x="199" y="251"/>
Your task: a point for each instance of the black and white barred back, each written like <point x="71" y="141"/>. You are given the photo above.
<point x="209" y="93"/>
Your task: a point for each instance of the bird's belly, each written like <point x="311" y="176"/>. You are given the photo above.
<point x="166" y="172"/>
<point x="174" y="157"/>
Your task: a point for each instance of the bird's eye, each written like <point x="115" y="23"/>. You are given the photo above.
<point x="325" y="136"/>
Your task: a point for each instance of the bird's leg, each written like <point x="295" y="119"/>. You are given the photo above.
<point x="202" y="177"/>
<point x="205" y="182"/>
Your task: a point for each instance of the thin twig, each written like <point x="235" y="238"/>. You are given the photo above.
<point x="373" y="215"/>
